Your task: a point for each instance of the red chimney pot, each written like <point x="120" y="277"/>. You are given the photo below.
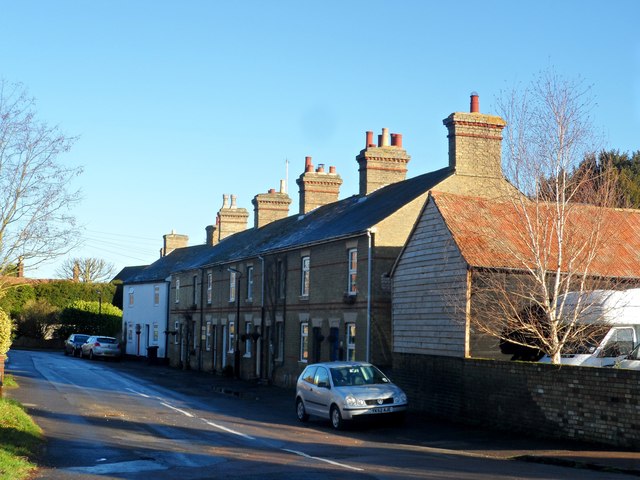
<point x="475" y="103"/>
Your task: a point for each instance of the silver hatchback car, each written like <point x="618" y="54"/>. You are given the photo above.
<point x="344" y="391"/>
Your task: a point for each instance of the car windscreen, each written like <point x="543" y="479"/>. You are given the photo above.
<point x="357" y="375"/>
<point x="80" y="338"/>
<point x="107" y="340"/>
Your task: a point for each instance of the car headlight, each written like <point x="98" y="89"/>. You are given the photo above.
<point x="400" y="398"/>
<point x="351" y="401"/>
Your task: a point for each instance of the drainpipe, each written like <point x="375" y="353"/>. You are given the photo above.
<point x="262" y="322"/>
<point x="369" y="276"/>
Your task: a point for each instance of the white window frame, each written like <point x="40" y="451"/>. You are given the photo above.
<point x="131" y="297"/>
<point x="232" y="286"/>
<point x="250" y="283"/>
<point x="209" y="287"/>
<point x="156" y="333"/>
<point x="177" y="300"/>
<point x="304" y="342"/>
<point x="176" y="327"/>
<point x="350" y="333"/>
<point x="231" y="333"/>
<point x="305" y="275"/>
<point x="352" y="278"/>
<point x="156" y="295"/>
<point x="207" y="342"/>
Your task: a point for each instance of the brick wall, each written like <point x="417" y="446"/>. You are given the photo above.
<point x="578" y="403"/>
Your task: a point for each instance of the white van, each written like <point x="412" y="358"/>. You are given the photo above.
<point x="614" y="315"/>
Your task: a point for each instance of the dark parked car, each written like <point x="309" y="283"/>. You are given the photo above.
<point x="97" y="346"/>
<point x="73" y="344"/>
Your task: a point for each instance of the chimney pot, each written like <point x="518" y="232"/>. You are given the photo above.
<point x="308" y="166"/>
<point x="272" y="190"/>
<point x="283" y="186"/>
<point x="385" y="137"/>
<point x="320" y="168"/>
<point x="225" y="200"/>
<point x="332" y="169"/>
<point x="475" y="102"/>
<point x="233" y="201"/>
<point x="369" y="141"/>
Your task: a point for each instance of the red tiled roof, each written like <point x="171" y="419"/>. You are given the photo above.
<point x="493" y="234"/>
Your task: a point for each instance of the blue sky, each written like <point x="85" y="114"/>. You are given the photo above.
<point x="179" y="102"/>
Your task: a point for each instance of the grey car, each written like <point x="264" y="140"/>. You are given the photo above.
<point x="345" y="391"/>
<point x="100" y="346"/>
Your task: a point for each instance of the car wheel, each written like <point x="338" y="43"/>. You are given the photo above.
<point x="301" y="412"/>
<point x="336" y="418"/>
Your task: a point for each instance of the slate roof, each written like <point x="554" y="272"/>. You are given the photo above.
<point x="345" y="218"/>
<point x="124" y="274"/>
<point x="489" y="234"/>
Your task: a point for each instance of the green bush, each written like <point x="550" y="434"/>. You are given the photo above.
<point x="37" y="319"/>
<point x="61" y="293"/>
<point x="89" y="317"/>
<point x="6" y="327"/>
<point x="15" y="297"/>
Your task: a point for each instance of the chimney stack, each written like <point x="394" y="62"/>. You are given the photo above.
<point x="383" y="164"/>
<point x="271" y="206"/>
<point x="317" y="188"/>
<point x="475" y="142"/>
<point x="230" y="219"/>
<point x="173" y="241"/>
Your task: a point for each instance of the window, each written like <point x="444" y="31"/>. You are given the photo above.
<point x="248" y="326"/>
<point x="155" y="333"/>
<point x="351" y="342"/>
<point x="281" y="279"/>
<point x="232" y="334"/>
<point x="304" y="283"/>
<point x="232" y="286"/>
<point x="130" y="332"/>
<point x="304" y="342"/>
<point x="131" y="298"/>
<point x="176" y="329"/>
<point x="352" y="289"/>
<point x="177" y="290"/>
<point x="194" y="294"/>
<point x="156" y="295"/>
<point x="249" y="283"/>
<point x="209" y="287"/>
<point x="208" y="337"/>
<point x="322" y="377"/>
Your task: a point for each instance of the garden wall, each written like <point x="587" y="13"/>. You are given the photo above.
<point x="579" y="403"/>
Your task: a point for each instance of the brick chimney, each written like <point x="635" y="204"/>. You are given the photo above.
<point x="475" y="142"/>
<point x="317" y="188"/>
<point x="382" y="163"/>
<point x="172" y="241"/>
<point x="20" y="272"/>
<point x="271" y="206"/>
<point x="230" y="218"/>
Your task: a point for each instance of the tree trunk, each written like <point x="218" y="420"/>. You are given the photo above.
<point x="2" y="360"/>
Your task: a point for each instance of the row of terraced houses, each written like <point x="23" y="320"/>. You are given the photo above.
<point x="365" y="277"/>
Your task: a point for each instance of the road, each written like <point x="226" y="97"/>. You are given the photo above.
<point x="101" y="420"/>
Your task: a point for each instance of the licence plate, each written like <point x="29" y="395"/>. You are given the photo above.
<point x="381" y="410"/>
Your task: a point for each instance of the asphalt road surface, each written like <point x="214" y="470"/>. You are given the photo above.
<point x="101" y="420"/>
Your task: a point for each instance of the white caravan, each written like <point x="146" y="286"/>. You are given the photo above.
<point x="618" y="311"/>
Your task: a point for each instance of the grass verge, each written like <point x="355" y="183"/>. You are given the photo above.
<point x="20" y="438"/>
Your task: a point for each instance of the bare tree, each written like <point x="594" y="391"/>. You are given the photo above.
<point x="35" y="196"/>
<point x="87" y="270"/>
<point x="559" y="225"/>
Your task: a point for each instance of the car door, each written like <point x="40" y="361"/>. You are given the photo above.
<point x="306" y="388"/>
<point x="320" y="394"/>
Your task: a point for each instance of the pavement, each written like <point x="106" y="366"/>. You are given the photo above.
<point x="435" y="434"/>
